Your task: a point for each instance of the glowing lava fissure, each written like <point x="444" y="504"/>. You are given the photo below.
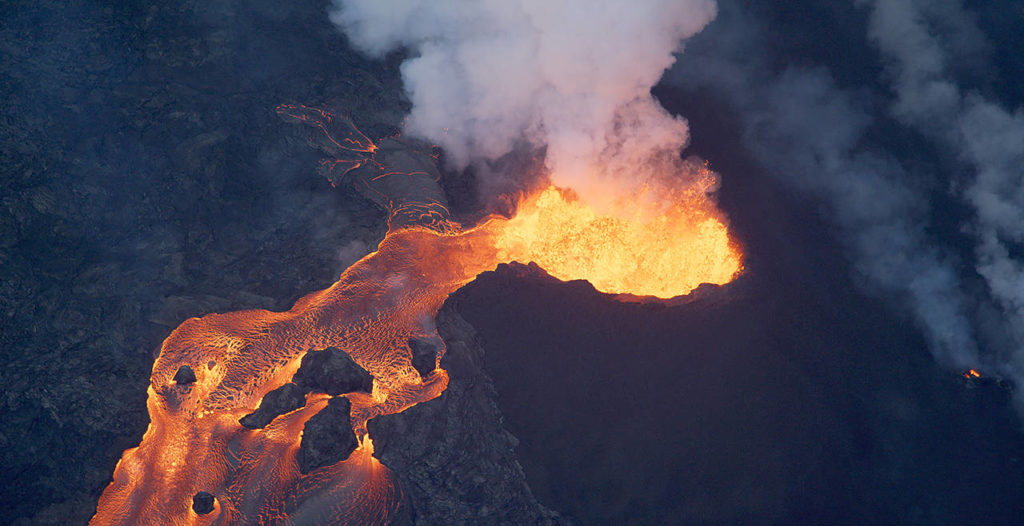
<point x="665" y="255"/>
<point x="195" y="442"/>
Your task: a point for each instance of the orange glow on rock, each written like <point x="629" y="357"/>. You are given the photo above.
<point x="195" y="442"/>
<point x="628" y="251"/>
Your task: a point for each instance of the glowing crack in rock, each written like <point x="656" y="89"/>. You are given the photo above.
<point x="195" y="442"/>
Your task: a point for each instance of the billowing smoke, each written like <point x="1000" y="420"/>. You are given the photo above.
<point x="574" y="77"/>
<point x="825" y="139"/>
<point x="812" y="134"/>
<point x="988" y="139"/>
<point x="571" y="76"/>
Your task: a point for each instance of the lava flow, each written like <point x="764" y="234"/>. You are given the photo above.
<point x="666" y="255"/>
<point x="195" y="442"/>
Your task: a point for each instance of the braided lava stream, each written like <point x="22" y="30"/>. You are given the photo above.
<point x="195" y="442"/>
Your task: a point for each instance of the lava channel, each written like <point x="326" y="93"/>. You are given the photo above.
<point x="195" y="442"/>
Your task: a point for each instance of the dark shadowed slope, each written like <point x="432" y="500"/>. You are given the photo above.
<point x="784" y="397"/>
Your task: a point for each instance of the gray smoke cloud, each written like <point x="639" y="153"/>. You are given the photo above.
<point x="817" y="137"/>
<point x="574" y="76"/>
<point x="811" y="134"/>
<point x="988" y="138"/>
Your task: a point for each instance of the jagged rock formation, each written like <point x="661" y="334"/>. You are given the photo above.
<point x="455" y="460"/>
<point x="203" y="502"/>
<point x="185" y="375"/>
<point x="424" y="354"/>
<point x="327" y="437"/>
<point x="332" y="371"/>
<point x="284" y="399"/>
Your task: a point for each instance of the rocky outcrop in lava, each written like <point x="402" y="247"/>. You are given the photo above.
<point x="424" y="354"/>
<point x="185" y="375"/>
<point x="332" y="371"/>
<point x="327" y="438"/>
<point x="453" y="457"/>
<point x="203" y="503"/>
<point x="284" y="399"/>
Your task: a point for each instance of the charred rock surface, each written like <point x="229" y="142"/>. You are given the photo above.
<point x="185" y="375"/>
<point x="147" y="180"/>
<point x="455" y="460"/>
<point x="202" y="503"/>
<point x="328" y="437"/>
<point x="284" y="399"/>
<point x="424" y="354"/>
<point x="332" y="371"/>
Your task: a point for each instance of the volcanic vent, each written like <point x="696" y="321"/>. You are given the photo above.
<point x="244" y="439"/>
<point x="234" y="428"/>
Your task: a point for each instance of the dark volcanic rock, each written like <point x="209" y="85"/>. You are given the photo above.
<point x="327" y="437"/>
<point x="284" y="399"/>
<point x="455" y="461"/>
<point x="367" y="167"/>
<point x="424" y="354"/>
<point x="185" y="375"/>
<point x="202" y="503"/>
<point x="137" y="140"/>
<point x="332" y="371"/>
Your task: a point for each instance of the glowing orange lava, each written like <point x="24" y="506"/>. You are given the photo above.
<point x="629" y="252"/>
<point x="195" y="441"/>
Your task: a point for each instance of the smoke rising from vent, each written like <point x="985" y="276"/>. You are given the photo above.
<point x="987" y="138"/>
<point x="573" y="76"/>
<point x="824" y="139"/>
<point x="810" y="133"/>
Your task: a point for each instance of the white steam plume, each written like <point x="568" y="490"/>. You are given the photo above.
<point x="572" y="75"/>
<point x="986" y="136"/>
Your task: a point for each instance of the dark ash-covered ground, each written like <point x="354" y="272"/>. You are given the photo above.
<point x="146" y="179"/>
<point x="784" y="397"/>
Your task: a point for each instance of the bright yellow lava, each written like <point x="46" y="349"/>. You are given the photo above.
<point x="665" y="255"/>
